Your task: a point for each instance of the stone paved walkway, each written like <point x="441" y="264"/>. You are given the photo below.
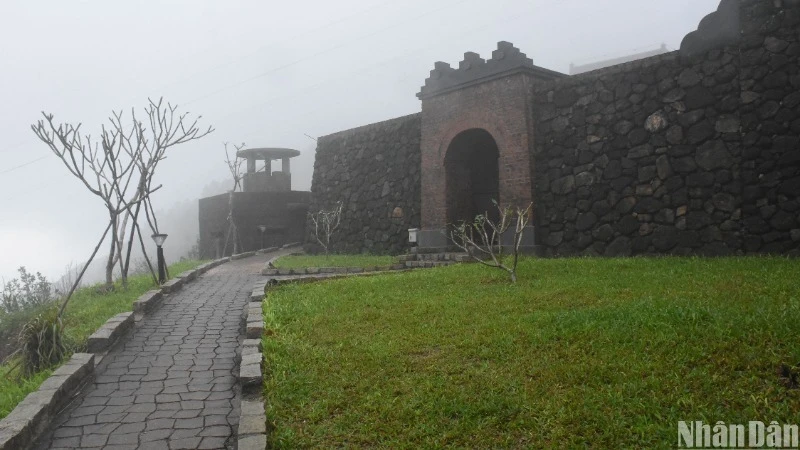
<point x="171" y="384"/>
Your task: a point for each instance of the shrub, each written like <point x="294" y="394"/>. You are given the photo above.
<point x="41" y="342"/>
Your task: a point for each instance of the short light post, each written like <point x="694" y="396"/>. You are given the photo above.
<point x="159" y="240"/>
<point x="262" y="228"/>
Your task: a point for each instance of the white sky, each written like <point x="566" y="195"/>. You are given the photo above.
<point x="261" y="72"/>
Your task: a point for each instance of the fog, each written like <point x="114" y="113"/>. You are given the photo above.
<point x="261" y="72"/>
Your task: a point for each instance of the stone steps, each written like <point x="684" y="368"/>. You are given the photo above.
<point x="435" y="257"/>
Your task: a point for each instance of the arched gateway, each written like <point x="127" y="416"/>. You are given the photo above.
<point x="476" y="140"/>
<point x="472" y="176"/>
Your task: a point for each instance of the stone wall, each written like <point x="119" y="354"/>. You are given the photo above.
<point x="770" y="118"/>
<point x="374" y="171"/>
<point x="283" y="213"/>
<point x="684" y="153"/>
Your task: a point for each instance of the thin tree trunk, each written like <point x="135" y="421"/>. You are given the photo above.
<point x="80" y="275"/>
<point x="144" y="252"/>
<point x="127" y="263"/>
<point x="112" y="252"/>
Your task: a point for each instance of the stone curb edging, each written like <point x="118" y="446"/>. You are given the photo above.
<point x="105" y="336"/>
<point x="32" y="415"/>
<point x="252" y="430"/>
<point x="242" y="255"/>
<point x="332" y="270"/>
<point x="147" y="302"/>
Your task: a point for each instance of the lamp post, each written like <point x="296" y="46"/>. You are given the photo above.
<point x="159" y="240"/>
<point x="262" y="228"/>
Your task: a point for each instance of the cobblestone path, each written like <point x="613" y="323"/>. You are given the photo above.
<point x="170" y="385"/>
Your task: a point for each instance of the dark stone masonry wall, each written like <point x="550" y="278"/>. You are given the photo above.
<point x="676" y="154"/>
<point x="374" y="171"/>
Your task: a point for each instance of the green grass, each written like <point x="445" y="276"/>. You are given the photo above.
<point x="86" y="312"/>
<point x="303" y="261"/>
<point x="580" y="352"/>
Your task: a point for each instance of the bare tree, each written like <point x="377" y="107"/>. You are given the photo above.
<point x="235" y="167"/>
<point x="481" y="238"/>
<point x="326" y="222"/>
<point x="118" y="168"/>
<point x="165" y="130"/>
<point x="63" y="284"/>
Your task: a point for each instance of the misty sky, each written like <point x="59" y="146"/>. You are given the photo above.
<point x="261" y="72"/>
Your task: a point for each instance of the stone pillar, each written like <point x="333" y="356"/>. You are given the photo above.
<point x="268" y="166"/>
<point x="285" y="162"/>
<point x="251" y="164"/>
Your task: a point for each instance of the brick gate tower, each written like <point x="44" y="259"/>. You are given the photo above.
<point x="477" y="137"/>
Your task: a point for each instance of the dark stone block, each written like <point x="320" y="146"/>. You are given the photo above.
<point x="665" y="238"/>
<point x="638" y="136"/>
<point x="700" y="132"/>
<point x="790" y="187"/>
<point x="699" y="97"/>
<point x="621" y="183"/>
<point x="620" y="246"/>
<point x="585" y="221"/>
<point x="783" y="221"/>
<point x="700" y="179"/>
<point x="713" y="155"/>
<point x="696" y="220"/>
<point x="627" y="225"/>
<point x="648" y="205"/>
<point x="683" y="165"/>
<point x="603" y="233"/>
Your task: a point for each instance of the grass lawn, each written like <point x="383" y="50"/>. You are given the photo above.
<point x="87" y="310"/>
<point x="580" y="352"/>
<point x="303" y="261"/>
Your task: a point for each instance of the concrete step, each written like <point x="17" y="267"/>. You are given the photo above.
<point x="435" y="257"/>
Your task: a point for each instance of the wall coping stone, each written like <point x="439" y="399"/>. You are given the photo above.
<point x="105" y="336"/>
<point x="147" y="302"/>
<point x="252" y="430"/>
<point x="172" y="286"/>
<point x="32" y="415"/>
<point x="242" y="255"/>
<point x="362" y="128"/>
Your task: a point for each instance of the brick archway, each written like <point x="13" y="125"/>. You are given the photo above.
<point x="472" y="176"/>
<point x="493" y="96"/>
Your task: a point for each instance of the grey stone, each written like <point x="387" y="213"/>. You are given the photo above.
<point x="656" y="122"/>
<point x="147" y="301"/>
<point x="775" y="45"/>
<point x="620" y="246"/>
<point x="172" y="286"/>
<point x="688" y="78"/>
<point x="727" y="124"/>
<point x="724" y="202"/>
<point x="563" y="185"/>
<point x="699" y="97"/>
<point x="700" y="132"/>
<point x="107" y="334"/>
<point x="585" y="221"/>
<point x="554" y="238"/>
<point x="584" y="179"/>
<point x="623" y="127"/>
<point x="663" y="167"/>
<point x="254" y="442"/>
<point x="713" y="155"/>
<point x="640" y="151"/>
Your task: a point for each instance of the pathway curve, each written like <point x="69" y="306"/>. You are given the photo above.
<point x="171" y="384"/>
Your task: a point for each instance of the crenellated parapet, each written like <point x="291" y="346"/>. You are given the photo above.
<point x="720" y="28"/>
<point x="506" y="60"/>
